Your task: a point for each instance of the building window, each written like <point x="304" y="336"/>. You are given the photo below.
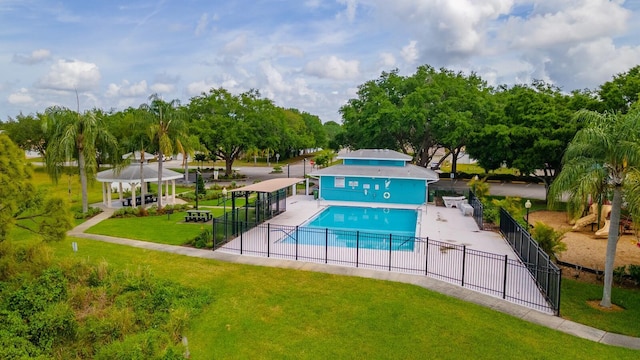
<point x="338" y="182"/>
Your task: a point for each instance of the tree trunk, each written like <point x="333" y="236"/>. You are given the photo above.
<point x="612" y="243"/>
<point x="454" y="160"/>
<point x="228" y="163"/>
<point x="160" y="161"/>
<point x="83" y="182"/>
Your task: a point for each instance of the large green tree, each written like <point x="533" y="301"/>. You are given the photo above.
<point x="21" y="204"/>
<point x="26" y="132"/>
<point x="605" y="152"/>
<point x="621" y="92"/>
<point x="228" y="124"/>
<point x="81" y="137"/>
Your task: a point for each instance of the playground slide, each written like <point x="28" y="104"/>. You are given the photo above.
<point x="604" y="232"/>
<point x="584" y="221"/>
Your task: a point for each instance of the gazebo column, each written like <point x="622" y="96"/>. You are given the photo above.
<point x="104" y="197"/>
<point x="293" y="190"/>
<point x="108" y="195"/>
<point x="173" y="192"/>
<point x="133" y="194"/>
<point x="306" y="186"/>
<point x="120" y="191"/>
<point x="166" y="191"/>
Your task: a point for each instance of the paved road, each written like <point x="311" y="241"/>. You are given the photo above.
<point x="260" y="173"/>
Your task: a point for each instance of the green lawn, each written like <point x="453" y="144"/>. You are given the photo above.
<point x="263" y="313"/>
<point x="165" y="229"/>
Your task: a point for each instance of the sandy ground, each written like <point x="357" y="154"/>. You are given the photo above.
<point x="582" y="246"/>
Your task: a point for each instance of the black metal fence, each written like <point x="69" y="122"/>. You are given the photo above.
<point x="484" y="272"/>
<point x="547" y="275"/>
<point x="478" y="209"/>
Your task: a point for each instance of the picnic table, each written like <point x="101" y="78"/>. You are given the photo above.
<point x="198" y="215"/>
<point x="148" y="198"/>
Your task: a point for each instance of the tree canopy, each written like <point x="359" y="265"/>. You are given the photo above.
<point x="21" y="204"/>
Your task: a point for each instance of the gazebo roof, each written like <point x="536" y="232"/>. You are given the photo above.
<point x="131" y="174"/>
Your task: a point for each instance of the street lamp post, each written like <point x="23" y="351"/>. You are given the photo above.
<point x="527" y="205"/>
<point x="224" y="206"/>
<point x="197" y="186"/>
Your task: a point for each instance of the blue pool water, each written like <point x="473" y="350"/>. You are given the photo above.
<point x="368" y="228"/>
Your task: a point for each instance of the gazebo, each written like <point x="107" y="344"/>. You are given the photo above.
<point x="131" y="175"/>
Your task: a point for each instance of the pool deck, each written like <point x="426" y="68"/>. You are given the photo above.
<point x="436" y="223"/>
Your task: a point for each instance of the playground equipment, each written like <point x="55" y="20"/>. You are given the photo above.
<point x="591" y="218"/>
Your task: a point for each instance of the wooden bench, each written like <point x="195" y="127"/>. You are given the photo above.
<point x="198" y="215"/>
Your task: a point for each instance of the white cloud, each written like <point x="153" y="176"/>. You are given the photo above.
<point x="20" y="97"/>
<point x="199" y="87"/>
<point x="201" y="27"/>
<point x="410" y="52"/>
<point x="333" y="68"/>
<point x="585" y="20"/>
<point x="36" y="56"/>
<point x="71" y="75"/>
<point x="387" y="60"/>
<point x="127" y="89"/>
<point x="162" y="88"/>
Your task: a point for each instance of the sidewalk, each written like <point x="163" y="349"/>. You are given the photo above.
<point x="550" y="321"/>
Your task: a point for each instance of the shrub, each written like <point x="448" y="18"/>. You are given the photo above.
<point x="480" y="187"/>
<point x="55" y="324"/>
<point x="202" y="240"/>
<point x="549" y="239"/>
<point x="93" y="211"/>
<point x="619" y="273"/>
<point x="634" y="273"/>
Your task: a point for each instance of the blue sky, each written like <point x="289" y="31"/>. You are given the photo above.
<point x="311" y="55"/>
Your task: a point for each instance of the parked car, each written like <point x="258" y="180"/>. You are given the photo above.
<point x="435" y="166"/>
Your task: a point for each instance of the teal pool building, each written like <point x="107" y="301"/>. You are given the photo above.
<point x="375" y="176"/>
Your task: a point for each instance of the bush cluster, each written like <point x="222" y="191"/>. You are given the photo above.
<point x="203" y="240"/>
<point x="79" y="310"/>
<point x="89" y="214"/>
<point x="630" y="272"/>
<point x="152" y="210"/>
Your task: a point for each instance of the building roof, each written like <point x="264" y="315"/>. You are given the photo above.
<point x="131" y="174"/>
<point x="269" y="186"/>
<point x="375" y="154"/>
<point x="405" y="172"/>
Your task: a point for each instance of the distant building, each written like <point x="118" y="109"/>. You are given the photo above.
<point x="377" y="176"/>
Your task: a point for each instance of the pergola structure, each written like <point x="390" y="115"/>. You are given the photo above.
<point x="272" y="198"/>
<point x="132" y="175"/>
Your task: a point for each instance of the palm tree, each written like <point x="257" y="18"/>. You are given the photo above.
<point x="603" y="154"/>
<point x="74" y="136"/>
<point x="167" y="132"/>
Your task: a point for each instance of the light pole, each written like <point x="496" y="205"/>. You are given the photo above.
<point x="527" y="205"/>
<point x="224" y="197"/>
<point x="197" y="186"/>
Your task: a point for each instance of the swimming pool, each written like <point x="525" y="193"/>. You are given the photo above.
<point x="368" y="228"/>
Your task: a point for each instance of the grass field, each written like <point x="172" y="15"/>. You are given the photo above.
<point x="266" y="313"/>
<point x="165" y="229"/>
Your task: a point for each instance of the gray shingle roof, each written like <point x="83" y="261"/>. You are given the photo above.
<point x="396" y="172"/>
<point x="375" y="154"/>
